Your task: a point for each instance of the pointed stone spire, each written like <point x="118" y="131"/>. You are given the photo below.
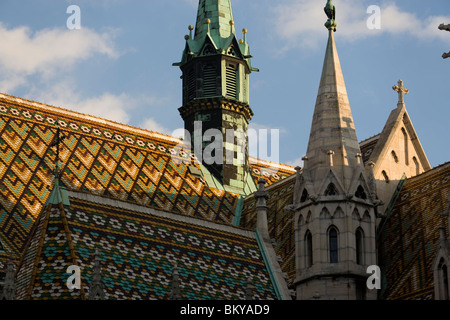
<point x="59" y="193"/>
<point x="249" y="290"/>
<point x="220" y="17"/>
<point x="333" y="137"/>
<point x="9" y="287"/>
<point x="175" y="291"/>
<point x="97" y="287"/>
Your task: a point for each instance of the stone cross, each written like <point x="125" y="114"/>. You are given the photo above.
<point x="401" y="90"/>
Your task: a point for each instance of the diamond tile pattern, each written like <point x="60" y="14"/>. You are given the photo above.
<point x="137" y="254"/>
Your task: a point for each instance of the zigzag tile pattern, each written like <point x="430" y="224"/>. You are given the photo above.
<point x="103" y="159"/>
<point x="137" y="253"/>
<point x="410" y="236"/>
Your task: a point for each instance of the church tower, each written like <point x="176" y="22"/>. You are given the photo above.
<point x="334" y="201"/>
<point x="215" y="72"/>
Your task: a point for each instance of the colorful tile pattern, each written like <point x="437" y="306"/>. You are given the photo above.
<point x="137" y="254"/>
<point x="98" y="157"/>
<point x="269" y="171"/>
<point x="409" y="238"/>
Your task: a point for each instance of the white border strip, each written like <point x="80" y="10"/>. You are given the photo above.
<point x="161" y="214"/>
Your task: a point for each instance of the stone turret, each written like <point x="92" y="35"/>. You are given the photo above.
<point x="334" y="201"/>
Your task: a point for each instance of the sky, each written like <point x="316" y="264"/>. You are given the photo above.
<point x="118" y="65"/>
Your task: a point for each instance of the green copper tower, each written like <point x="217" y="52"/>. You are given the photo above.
<point x="215" y="72"/>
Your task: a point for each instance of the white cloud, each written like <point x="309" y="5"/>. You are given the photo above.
<point x="152" y="125"/>
<point x="109" y="106"/>
<point x="301" y="22"/>
<point x="46" y="52"/>
<point x="296" y="162"/>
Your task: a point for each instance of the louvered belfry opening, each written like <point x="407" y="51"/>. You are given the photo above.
<point x="190" y="85"/>
<point x="209" y="81"/>
<point x="231" y="81"/>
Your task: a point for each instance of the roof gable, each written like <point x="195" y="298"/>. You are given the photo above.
<point x="388" y="140"/>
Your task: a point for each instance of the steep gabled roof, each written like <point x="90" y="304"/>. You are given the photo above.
<point x="138" y="248"/>
<point x="99" y="157"/>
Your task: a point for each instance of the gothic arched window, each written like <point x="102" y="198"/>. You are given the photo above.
<point x="386" y="177"/>
<point x="443" y="280"/>
<point x="394" y="155"/>
<point x="405" y="139"/>
<point x="331" y="190"/>
<point x="304" y="196"/>
<point x="416" y="163"/>
<point x="359" y="246"/>
<point x="333" y="244"/>
<point x="360" y="193"/>
<point x="308" y="249"/>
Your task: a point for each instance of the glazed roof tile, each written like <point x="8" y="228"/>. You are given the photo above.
<point x="99" y="157"/>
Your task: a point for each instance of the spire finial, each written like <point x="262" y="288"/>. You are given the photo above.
<point x="208" y="22"/>
<point x="330" y="11"/>
<point x="244" y="31"/>
<point x="249" y="289"/>
<point x="97" y="287"/>
<point x="9" y="287"/>
<point x="175" y="292"/>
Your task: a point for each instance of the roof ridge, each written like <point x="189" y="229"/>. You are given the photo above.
<point x="102" y="121"/>
<point x="133" y="207"/>
<point x="431" y="171"/>
<point x="370" y="138"/>
<point x="277" y="164"/>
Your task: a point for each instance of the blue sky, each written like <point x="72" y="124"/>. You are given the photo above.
<point x="118" y="66"/>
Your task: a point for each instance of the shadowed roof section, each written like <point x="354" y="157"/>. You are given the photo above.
<point x="410" y="236"/>
<point x="138" y="248"/>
